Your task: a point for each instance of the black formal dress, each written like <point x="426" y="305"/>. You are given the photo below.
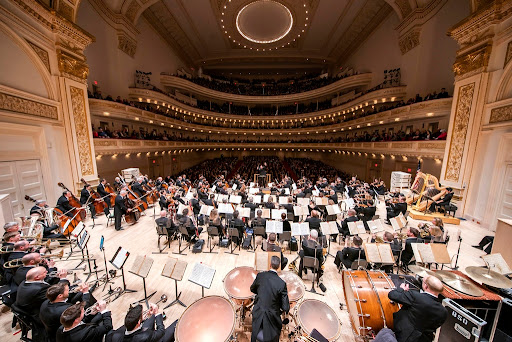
<point x="271" y="299"/>
<point x="444" y="202"/>
<point x="119" y="210"/>
<point x="421" y="314"/>
<point x="87" y="332"/>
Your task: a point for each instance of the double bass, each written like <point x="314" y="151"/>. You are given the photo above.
<point x="61" y="219"/>
<point x="74" y="202"/>
<point x="133" y="215"/>
<point x="98" y="202"/>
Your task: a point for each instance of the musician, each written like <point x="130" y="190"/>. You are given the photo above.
<point x="339" y="186"/>
<point x="333" y="196"/>
<point x="250" y="204"/>
<point x="394" y="209"/>
<point x="104" y="194"/>
<point x="63" y="204"/>
<point x="286" y="224"/>
<point x="300" y="194"/>
<point x="391" y="239"/>
<point x="237" y="223"/>
<point x="58" y="300"/>
<point x="73" y="329"/>
<point x="259" y="221"/>
<point x="210" y="201"/>
<point x="187" y="222"/>
<point x="86" y="199"/>
<point x="118" y="185"/>
<point x="39" y="209"/>
<point x="165" y="222"/>
<point x="271" y="299"/>
<point x="270" y="203"/>
<point x="444" y="201"/>
<point x="272" y="247"/>
<point x="139" y="190"/>
<point x="11" y="227"/>
<point x="30" y="261"/>
<point x="488" y="241"/>
<point x="311" y="248"/>
<point x="164" y="204"/>
<point x="350" y="254"/>
<point x="194" y="203"/>
<point x="288" y="206"/>
<point x="137" y="330"/>
<point x="312" y="206"/>
<point x="215" y="221"/>
<point x="120" y="209"/>
<point x="413" y="236"/>
<point x="421" y="313"/>
<point x="314" y="220"/>
<point x="352" y="217"/>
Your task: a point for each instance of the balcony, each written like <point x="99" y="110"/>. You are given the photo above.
<point x="426" y="149"/>
<point x="340" y="86"/>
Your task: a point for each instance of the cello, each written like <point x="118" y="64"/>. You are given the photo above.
<point x="111" y="191"/>
<point x="75" y="203"/>
<point x="133" y="215"/>
<point x="98" y="202"/>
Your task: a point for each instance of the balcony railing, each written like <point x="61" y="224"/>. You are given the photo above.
<point x="427" y="149"/>
<point x="341" y="86"/>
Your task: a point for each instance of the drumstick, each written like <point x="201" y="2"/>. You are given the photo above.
<point x="405" y="279"/>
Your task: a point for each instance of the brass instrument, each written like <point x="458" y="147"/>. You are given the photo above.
<point x="69" y="272"/>
<point x="6" y="249"/>
<point x="15" y="263"/>
<point x="293" y="267"/>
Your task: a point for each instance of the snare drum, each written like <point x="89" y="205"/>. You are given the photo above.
<point x="314" y="314"/>
<point x="210" y="318"/>
<point x="366" y="297"/>
<point x="237" y="285"/>
<point x="295" y="287"/>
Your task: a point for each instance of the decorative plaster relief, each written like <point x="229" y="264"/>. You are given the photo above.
<point x="127" y="45"/>
<point x="19" y="105"/>
<point x="459" y="132"/>
<point x="508" y="55"/>
<point x="42" y="54"/>
<point x="409" y="41"/>
<point x="72" y="67"/>
<point x="472" y="60"/>
<point x="501" y="114"/>
<point x="132" y="10"/>
<point x="82" y="130"/>
<point x="66" y="11"/>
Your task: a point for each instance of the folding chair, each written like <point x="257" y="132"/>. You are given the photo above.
<point x="212" y="232"/>
<point x="312" y="263"/>
<point x="233" y="232"/>
<point x="161" y="230"/>
<point x="359" y="264"/>
<point x="183" y="235"/>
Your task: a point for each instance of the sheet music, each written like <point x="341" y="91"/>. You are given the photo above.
<point x="261" y="261"/>
<point x="244" y="212"/>
<point x="274" y="227"/>
<point x="333" y="228"/>
<point x="440" y="253"/>
<point x="225" y="208"/>
<point x="349" y="202"/>
<point x="202" y="275"/>
<point x="206" y="210"/>
<point x="300" y="228"/>
<point x="213" y="188"/>
<point x="256" y="199"/>
<point x="142" y="265"/>
<point x="189" y="195"/>
<point x="276" y="213"/>
<point x="223" y="197"/>
<point x="234" y="187"/>
<point x="355" y="229"/>
<point x="315" y="192"/>
<point x="265" y="213"/>
<point x="179" y="270"/>
<point x="333" y="210"/>
<point x="375" y="226"/>
<point x="402" y="220"/>
<point x="395" y="224"/>
<point x="253" y="190"/>
<point x="386" y="255"/>
<point x="297" y="211"/>
<point x="497" y="263"/>
<point x="283" y="199"/>
<point x="426" y="253"/>
<point x="372" y="253"/>
<point x="294" y="186"/>
<point x="78" y="229"/>
<point x="169" y="267"/>
<point x="321" y="201"/>
<point x="252" y="185"/>
<point x="235" y="199"/>
<point x="267" y="196"/>
<point x="83" y="240"/>
<point x="417" y="254"/>
<point x="286" y="191"/>
<point x="120" y="258"/>
<point x="303" y="201"/>
<point x="181" y="206"/>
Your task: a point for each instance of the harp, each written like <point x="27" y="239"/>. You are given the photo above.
<point x="429" y="191"/>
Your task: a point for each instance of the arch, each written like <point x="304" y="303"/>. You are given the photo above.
<point x="133" y="9"/>
<point x="396" y="8"/>
<point x="505" y="84"/>
<point x="44" y="73"/>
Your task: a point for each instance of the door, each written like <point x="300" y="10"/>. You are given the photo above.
<point x="505" y="209"/>
<point x="156" y="167"/>
<point x="374" y="169"/>
<point x="20" y="178"/>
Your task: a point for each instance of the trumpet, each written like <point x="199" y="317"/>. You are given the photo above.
<point x="94" y="309"/>
<point x="69" y="272"/>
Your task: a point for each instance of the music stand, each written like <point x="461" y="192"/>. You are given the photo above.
<point x="141" y="267"/>
<point x="175" y="269"/>
<point x="202" y="275"/>
<point x="76" y="233"/>
<point x="82" y="244"/>
<point x="118" y="261"/>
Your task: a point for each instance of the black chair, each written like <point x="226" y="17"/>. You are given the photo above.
<point x="183" y="235"/>
<point x="359" y="264"/>
<point x="161" y="230"/>
<point x="27" y="323"/>
<point x="258" y="231"/>
<point x="233" y="232"/>
<point x="213" y="231"/>
<point x="286" y="236"/>
<point x="450" y="208"/>
<point x="313" y="264"/>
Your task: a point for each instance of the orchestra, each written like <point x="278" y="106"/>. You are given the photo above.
<point x="42" y="291"/>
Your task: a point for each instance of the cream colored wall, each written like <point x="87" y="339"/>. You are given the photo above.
<point x="113" y="69"/>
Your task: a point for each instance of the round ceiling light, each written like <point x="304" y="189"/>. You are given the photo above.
<point x="264" y="21"/>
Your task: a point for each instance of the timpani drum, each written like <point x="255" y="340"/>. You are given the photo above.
<point x="237" y="285"/>
<point x="366" y="297"/>
<point x="210" y="318"/>
<point x="314" y="314"/>
<point x="295" y="287"/>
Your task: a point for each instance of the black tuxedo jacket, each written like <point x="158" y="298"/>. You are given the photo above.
<point x="37" y="210"/>
<point x="271" y="299"/>
<point x="119" y="207"/>
<point x="311" y="248"/>
<point x="288" y="207"/>
<point x="195" y="206"/>
<point x="137" y="188"/>
<point x="421" y="314"/>
<point x="399" y="208"/>
<point x="87" y="332"/>
<point x="147" y="333"/>
<point x="84" y="196"/>
<point x="101" y="190"/>
<point x="344" y="225"/>
<point x="408" y="253"/>
<point x="30" y="297"/>
<point x="314" y="223"/>
<point x="253" y="206"/>
<point x="64" y="206"/>
<point x="350" y="254"/>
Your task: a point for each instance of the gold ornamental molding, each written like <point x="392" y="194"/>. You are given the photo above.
<point x="72" y="67"/>
<point x="82" y="131"/>
<point x="459" y="132"/>
<point x="473" y="61"/>
<point x="501" y="114"/>
<point x="19" y="105"/>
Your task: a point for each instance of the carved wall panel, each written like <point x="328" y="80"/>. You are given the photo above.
<point x="501" y="114"/>
<point x="82" y="131"/>
<point x="459" y="132"/>
<point x="19" y="105"/>
<point x="472" y="61"/>
<point x="72" y="67"/>
<point x="409" y="41"/>
<point x="508" y="55"/>
<point x="42" y="54"/>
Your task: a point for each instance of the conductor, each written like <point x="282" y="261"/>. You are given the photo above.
<point x="271" y="300"/>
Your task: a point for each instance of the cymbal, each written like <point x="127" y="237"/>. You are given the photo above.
<point x="488" y="277"/>
<point x="460" y="284"/>
<point x="423" y="272"/>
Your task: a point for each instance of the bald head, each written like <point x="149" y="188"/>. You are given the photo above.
<point x="163" y="213"/>
<point x="352" y="212"/>
<point x="37" y="273"/>
<point x="31" y="259"/>
<point x="21" y="245"/>
<point x="433" y="285"/>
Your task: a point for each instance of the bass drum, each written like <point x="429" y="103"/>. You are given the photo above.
<point x="314" y="314"/>
<point x="366" y="297"/>
<point x="210" y="318"/>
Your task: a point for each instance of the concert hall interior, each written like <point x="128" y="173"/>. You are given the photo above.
<point x="232" y="170"/>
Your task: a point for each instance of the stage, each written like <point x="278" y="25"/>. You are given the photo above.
<point x="421" y="216"/>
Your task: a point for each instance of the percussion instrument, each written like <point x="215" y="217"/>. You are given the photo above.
<point x="210" y="318"/>
<point x="295" y="287"/>
<point x="488" y="277"/>
<point x="237" y="285"/>
<point x="460" y="284"/>
<point x="314" y="314"/>
<point x="423" y="272"/>
<point x="366" y="296"/>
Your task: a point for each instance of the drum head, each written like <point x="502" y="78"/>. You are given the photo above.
<point x="294" y="284"/>
<point x="208" y="319"/>
<point x="314" y="314"/>
<point x="238" y="281"/>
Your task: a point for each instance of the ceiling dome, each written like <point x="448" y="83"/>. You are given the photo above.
<point x="264" y="21"/>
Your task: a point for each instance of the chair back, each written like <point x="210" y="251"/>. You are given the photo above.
<point x="183" y="230"/>
<point x="233" y="232"/>
<point x="290" y="216"/>
<point x="285" y="236"/>
<point x="160" y="229"/>
<point x="259" y="231"/>
<point x="311" y="262"/>
<point x="213" y="231"/>
<point x="359" y="264"/>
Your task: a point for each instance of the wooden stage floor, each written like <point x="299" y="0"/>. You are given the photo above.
<point x="141" y="239"/>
